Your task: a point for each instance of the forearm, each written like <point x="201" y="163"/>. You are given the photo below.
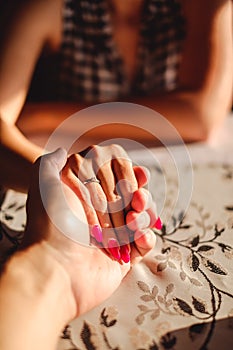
<point x="46" y="117"/>
<point x="36" y="301"/>
<point x="17" y="151"/>
<point x="193" y="114"/>
<point x="205" y="73"/>
<point x="52" y="114"/>
<point x="17" y="155"/>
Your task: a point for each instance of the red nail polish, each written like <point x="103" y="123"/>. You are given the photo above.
<point x="158" y="224"/>
<point x="97" y="233"/>
<point x="125" y="256"/>
<point x="114" y="248"/>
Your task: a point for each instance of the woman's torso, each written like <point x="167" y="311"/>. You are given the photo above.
<point x="91" y="64"/>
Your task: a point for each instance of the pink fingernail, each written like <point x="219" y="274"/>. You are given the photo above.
<point x="97" y="233"/>
<point x="114" y="248"/>
<point x="158" y="224"/>
<point x="125" y="256"/>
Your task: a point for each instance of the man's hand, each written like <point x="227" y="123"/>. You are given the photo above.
<point x="112" y="194"/>
<point x="93" y="273"/>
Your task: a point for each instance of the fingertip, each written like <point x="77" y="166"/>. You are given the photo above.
<point x="142" y="175"/>
<point x="56" y="159"/>
<point x="158" y="223"/>
<point x="59" y="157"/>
<point x="138" y="201"/>
<point x="131" y="220"/>
<point x="146" y="173"/>
<point x="61" y="151"/>
<point x="145" y="240"/>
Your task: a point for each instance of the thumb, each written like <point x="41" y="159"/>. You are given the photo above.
<point x="58" y="157"/>
<point x="52" y="163"/>
<point x="55" y="202"/>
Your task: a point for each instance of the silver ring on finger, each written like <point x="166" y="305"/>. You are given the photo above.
<point x="92" y="179"/>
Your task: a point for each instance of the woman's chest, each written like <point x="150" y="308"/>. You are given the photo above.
<point x="103" y="58"/>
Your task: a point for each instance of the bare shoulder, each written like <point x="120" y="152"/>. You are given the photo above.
<point x="51" y="15"/>
<point x="40" y="16"/>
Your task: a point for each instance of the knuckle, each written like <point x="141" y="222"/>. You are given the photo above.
<point x="85" y="195"/>
<point x="94" y="151"/>
<point x="96" y="154"/>
<point x="75" y="160"/>
<point x="117" y="150"/>
<point x="113" y="197"/>
<point x="99" y="201"/>
<point x="116" y="147"/>
<point x="115" y="203"/>
<point x="126" y="187"/>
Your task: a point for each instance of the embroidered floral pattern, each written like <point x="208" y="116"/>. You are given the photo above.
<point x="208" y="241"/>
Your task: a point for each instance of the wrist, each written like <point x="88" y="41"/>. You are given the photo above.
<point x="37" y="289"/>
<point x="50" y="279"/>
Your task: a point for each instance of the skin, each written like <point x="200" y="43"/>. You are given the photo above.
<point x="205" y="75"/>
<point x="57" y="279"/>
<point x="114" y="201"/>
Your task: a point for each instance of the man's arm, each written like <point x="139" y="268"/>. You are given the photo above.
<point x="36" y="300"/>
<point x="56" y="278"/>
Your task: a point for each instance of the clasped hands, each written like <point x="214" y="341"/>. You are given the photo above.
<point x="115" y="210"/>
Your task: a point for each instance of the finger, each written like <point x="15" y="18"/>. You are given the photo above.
<point x="115" y="202"/>
<point x="144" y="242"/>
<point x="54" y="201"/>
<point x="118" y="203"/>
<point x="142" y="203"/>
<point x="99" y="202"/>
<point x="114" y="167"/>
<point x="75" y="168"/>
<point x="58" y="157"/>
<point x="51" y="164"/>
<point x="142" y="200"/>
<point x="120" y="246"/>
<point x="94" y="202"/>
<point x="126" y="186"/>
<point x="103" y="158"/>
<point x="126" y="182"/>
<point x="138" y="221"/>
<point x="44" y="171"/>
<point x="82" y="192"/>
<point x="142" y="175"/>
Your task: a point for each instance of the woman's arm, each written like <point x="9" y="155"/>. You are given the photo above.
<point x="205" y="78"/>
<point x="195" y="110"/>
<point x="34" y="25"/>
<point x="206" y="72"/>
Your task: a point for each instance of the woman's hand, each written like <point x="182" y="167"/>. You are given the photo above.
<point x="94" y="275"/>
<point x="111" y="192"/>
